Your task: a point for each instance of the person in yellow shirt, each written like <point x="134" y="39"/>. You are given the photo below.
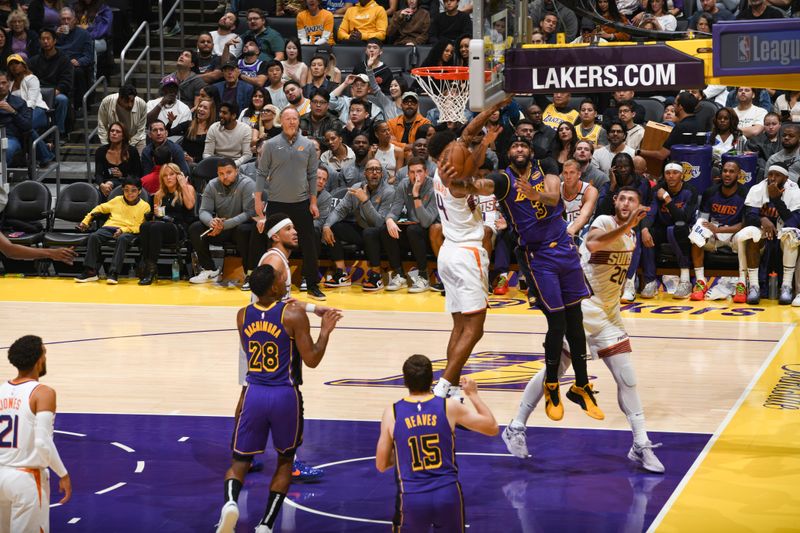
<point x="315" y="25"/>
<point x="126" y="214"/>
<point x="559" y="111"/>
<point x="364" y="21"/>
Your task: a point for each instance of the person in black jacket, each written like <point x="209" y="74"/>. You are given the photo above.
<point x="451" y="24"/>
<point x="383" y="74"/>
<point x="15" y="117"/>
<point x="115" y="161"/>
<point x="54" y="70"/>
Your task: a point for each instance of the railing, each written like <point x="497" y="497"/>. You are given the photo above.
<point x="162" y="22"/>
<point x="88" y="137"/>
<point x="52" y="130"/>
<point x="3" y="162"/>
<point x="145" y="54"/>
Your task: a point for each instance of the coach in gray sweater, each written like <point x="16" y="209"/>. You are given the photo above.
<point x="287" y="176"/>
<point x="226" y="213"/>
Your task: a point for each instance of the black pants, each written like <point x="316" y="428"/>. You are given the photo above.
<point x="98" y="238"/>
<point x="367" y="238"/>
<point x="155" y="234"/>
<point x="239" y="235"/>
<point x="413" y="237"/>
<point x="304" y="224"/>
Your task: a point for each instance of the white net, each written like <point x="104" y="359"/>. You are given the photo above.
<point x="450" y="96"/>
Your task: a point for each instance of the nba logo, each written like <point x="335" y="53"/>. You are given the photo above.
<point x="745" y="49"/>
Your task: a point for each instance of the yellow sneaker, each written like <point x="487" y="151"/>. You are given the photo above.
<point x="552" y="401"/>
<point x="584" y="396"/>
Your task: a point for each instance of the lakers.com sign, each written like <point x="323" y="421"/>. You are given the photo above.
<point x="756" y="47"/>
<point x="593" y="69"/>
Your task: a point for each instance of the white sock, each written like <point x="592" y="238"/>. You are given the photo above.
<point x="441" y="388"/>
<point x="743" y="276"/>
<point x="534" y="391"/>
<point x="788" y="276"/>
<point x="752" y="276"/>
<point x="700" y="274"/>
<point x="621" y="368"/>
<point x="685" y="274"/>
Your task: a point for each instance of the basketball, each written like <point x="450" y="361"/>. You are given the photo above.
<point x="461" y="158"/>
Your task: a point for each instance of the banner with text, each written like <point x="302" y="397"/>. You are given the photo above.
<point x="750" y="47"/>
<point x="600" y="69"/>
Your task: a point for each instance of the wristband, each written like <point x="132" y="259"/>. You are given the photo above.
<point x="310" y="308"/>
<point x="416" y="197"/>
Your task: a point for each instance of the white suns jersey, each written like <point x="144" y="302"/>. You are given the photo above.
<point x="572" y="208"/>
<point x="488" y="205"/>
<point x="17" y="426"/>
<point x="275" y="251"/>
<point x="606" y="270"/>
<point x="461" y="222"/>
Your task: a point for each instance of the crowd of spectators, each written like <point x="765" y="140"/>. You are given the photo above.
<point x="242" y="97"/>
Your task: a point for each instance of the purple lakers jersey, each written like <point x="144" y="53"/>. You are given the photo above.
<point x="536" y="224"/>
<point x="424" y="445"/>
<point x="272" y="357"/>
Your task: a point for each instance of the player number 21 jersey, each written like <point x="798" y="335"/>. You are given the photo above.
<point x="17" y="426"/>
<point x="606" y="269"/>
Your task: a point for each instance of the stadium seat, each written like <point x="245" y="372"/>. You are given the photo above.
<point x="347" y="57"/>
<point x="653" y="109"/>
<point x="425" y="105"/>
<point x="72" y="206"/>
<point x="286" y="26"/>
<point x="420" y="53"/>
<point x="205" y="171"/>
<point x="26" y="213"/>
<point x="398" y="58"/>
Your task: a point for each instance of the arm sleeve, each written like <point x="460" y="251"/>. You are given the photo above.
<point x="428" y="213"/>
<point x="501" y="185"/>
<point x="264" y="162"/>
<point x="102" y="121"/>
<point x="344" y="28"/>
<point x="43" y="441"/>
<point x="207" y="206"/>
<point x="100" y="164"/>
<point x="311" y="171"/>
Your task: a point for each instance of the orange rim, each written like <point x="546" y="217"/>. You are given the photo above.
<point x="446" y="73"/>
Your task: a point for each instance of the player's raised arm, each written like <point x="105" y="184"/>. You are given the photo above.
<point x="384" y="456"/>
<point x="481" y="420"/>
<point x="297" y="323"/>
<point x="600" y="236"/>
<point x="479" y="121"/>
<point x="43" y="405"/>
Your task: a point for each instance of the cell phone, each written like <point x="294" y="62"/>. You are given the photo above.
<point x="205" y="233"/>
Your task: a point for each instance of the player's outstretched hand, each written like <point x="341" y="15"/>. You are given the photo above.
<point x="448" y="172"/>
<point x="320" y="310"/>
<point x="329" y="320"/>
<point x="65" y="488"/>
<point x="468" y="386"/>
<point x="63" y="255"/>
<point x="637" y="216"/>
<point x="492" y="132"/>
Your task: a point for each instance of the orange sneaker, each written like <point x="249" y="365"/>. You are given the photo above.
<point x="740" y="294"/>
<point x="699" y="291"/>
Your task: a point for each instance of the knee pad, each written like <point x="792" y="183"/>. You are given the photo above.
<point x="749" y="233"/>
<point x="790" y="238"/>
<point x="622" y="369"/>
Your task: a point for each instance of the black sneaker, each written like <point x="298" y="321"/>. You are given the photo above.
<point x="373" y="282"/>
<point x="337" y="279"/>
<point x="87" y="276"/>
<point x="438" y="286"/>
<point x="314" y="292"/>
<point x="246" y="285"/>
<point x="111" y="279"/>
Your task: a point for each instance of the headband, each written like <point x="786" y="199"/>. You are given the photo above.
<point x="277" y="227"/>
<point x="778" y="168"/>
<point x="673" y="166"/>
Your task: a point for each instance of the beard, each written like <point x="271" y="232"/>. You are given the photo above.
<point x="43" y="371"/>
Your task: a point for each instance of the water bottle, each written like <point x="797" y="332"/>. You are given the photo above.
<point x="773" y="286"/>
<point x="176" y="270"/>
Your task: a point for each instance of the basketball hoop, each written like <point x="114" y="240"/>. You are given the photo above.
<point x="448" y="87"/>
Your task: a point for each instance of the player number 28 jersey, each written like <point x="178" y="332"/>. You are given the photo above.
<point x="272" y="357"/>
<point x="17" y="426"/>
<point x="461" y="217"/>
<point x="606" y="269"/>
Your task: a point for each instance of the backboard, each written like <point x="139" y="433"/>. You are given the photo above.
<point x="496" y="26"/>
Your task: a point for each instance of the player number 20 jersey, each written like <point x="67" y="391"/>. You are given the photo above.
<point x="606" y="269"/>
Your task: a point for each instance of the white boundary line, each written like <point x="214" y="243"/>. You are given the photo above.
<point x="112" y="487"/>
<point x="69" y="433"/>
<point x="139" y="467"/>
<point x="123" y="447"/>
<point x="710" y="444"/>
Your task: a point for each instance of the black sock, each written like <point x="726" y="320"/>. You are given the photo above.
<point x="553" y="342"/>
<point x="232" y="488"/>
<point x="273" y="506"/>
<point x="576" y="338"/>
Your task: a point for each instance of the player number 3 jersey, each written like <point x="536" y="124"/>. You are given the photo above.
<point x="17" y="426"/>
<point x="606" y="269"/>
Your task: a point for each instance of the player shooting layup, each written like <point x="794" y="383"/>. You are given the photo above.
<point x="27" y="413"/>
<point x="605" y="256"/>
<point x="463" y="264"/>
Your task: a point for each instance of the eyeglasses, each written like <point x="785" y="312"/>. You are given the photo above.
<point x="319" y="102"/>
<point x="253" y="19"/>
<point x="373" y="169"/>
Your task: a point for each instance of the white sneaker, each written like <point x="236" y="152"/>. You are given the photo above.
<point x="516" y="441"/>
<point x="454" y="392"/>
<point x="422" y="285"/>
<point x="644" y="456"/>
<point x="796" y="301"/>
<point x="629" y="292"/>
<point x="263" y="528"/>
<point x="396" y="282"/>
<point x="650" y="290"/>
<point x="228" y="518"/>
<point x="205" y="276"/>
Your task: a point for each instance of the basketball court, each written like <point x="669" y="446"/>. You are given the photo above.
<point x="146" y="395"/>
